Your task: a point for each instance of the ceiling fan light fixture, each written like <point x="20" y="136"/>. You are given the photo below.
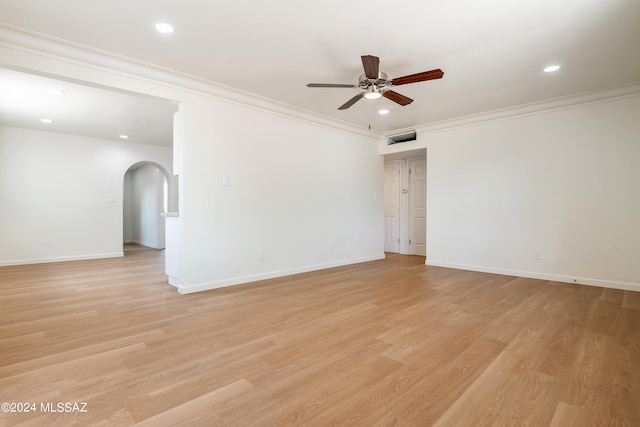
<point x="373" y="93"/>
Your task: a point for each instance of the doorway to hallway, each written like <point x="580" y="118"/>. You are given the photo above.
<point x="405" y="204"/>
<point x="145" y="205"/>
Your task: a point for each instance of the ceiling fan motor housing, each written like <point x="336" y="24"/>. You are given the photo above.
<point x="365" y="83"/>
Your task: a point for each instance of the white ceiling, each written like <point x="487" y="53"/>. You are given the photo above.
<point x="492" y="52"/>
<point x="83" y="110"/>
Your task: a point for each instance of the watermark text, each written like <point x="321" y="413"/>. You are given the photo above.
<point x="43" y="407"/>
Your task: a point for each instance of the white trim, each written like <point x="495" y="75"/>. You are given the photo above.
<point x="146" y="245"/>
<point x="42" y="45"/>
<point x="198" y="287"/>
<point x="553" y="104"/>
<point x="612" y="284"/>
<point x="174" y="281"/>
<point x="60" y="259"/>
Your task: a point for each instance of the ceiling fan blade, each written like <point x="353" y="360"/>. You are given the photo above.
<point x="371" y="66"/>
<point x="329" y="85"/>
<point x="397" y="98"/>
<point x="419" y="77"/>
<point x="352" y="101"/>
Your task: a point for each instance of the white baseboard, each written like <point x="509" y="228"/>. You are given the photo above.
<point x="187" y="289"/>
<point x="174" y="281"/>
<point x="146" y="245"/>
<point x="626" y="286"/>
<point x="60" y="259"/>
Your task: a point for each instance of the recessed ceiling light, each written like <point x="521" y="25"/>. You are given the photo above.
<point x="46" y="120"/>
<point x="163" y="28"/>
<point x="551" y="68"/>
<point x="54" y="91"/>
<point x="124" y="136"/>
<point x="383" y="112"/>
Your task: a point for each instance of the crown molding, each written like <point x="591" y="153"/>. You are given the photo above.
<point x="54" y="48"/>
<point x="553" y="104"/>
<point x="42" y="45"/>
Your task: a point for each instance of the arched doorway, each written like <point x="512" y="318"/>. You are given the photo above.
<point x="148" y="195"/>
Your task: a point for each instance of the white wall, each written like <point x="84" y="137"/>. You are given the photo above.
<point x="57" y="194"/>
<point x="143" y="206"/>
<point x="308" y="196"/>
<point x="564" y="182"/>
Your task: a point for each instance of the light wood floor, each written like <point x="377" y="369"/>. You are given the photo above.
<point x="383" y="343"/>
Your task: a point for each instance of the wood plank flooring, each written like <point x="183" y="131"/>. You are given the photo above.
<point x="383" y="343"/>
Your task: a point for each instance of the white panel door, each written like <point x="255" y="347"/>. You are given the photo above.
<point x="391" y="206"/>
<point x="417" y="207"/>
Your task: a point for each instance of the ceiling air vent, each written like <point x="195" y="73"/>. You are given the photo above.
<point x="405" y="137"/>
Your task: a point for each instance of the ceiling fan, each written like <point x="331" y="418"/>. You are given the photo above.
<point x="376" y="83"/>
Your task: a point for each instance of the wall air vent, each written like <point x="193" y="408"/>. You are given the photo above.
<point x="404" y="137"/>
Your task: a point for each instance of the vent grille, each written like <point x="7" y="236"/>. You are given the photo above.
<point x="405" y="137"/>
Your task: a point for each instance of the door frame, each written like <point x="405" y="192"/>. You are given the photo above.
<point x="389" y="246"/>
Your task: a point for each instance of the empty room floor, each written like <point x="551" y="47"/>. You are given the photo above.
<point x="383" y="343"/>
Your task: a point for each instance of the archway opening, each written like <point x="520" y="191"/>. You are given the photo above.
<point x="147" y="200"/>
